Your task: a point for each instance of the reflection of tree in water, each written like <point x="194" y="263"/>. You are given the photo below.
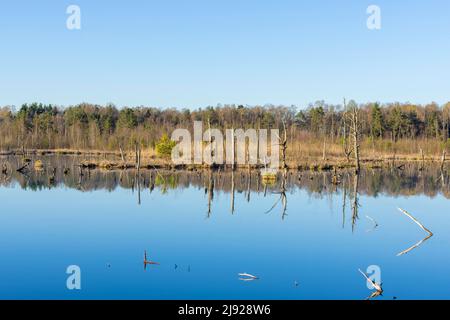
<point x="355" y="200"/>
<point x="232" y="192"/>
<point x="283" y="197"/>
<point x="210" y="192"/>
<point x="409" y="181"/>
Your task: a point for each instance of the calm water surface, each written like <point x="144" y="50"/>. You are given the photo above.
<point x="305" y="243"/>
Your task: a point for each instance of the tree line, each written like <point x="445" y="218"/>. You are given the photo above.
<point x="88" y="126"/>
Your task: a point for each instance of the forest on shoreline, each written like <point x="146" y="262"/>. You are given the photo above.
<point x="316" y="132"/>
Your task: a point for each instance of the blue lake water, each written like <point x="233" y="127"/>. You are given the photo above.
<point x="312" y="251"/>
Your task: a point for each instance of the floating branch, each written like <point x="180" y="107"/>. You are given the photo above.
<point x="247" y="277"/>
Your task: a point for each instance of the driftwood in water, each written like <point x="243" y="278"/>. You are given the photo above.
<point x="247" y="277"/>
<point x="415" y="220"/>
<point x="430" y="234"/>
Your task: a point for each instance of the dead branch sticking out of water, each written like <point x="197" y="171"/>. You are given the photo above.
<point x="146" y="261"/>
<point x="416" y="221"/>
<point x="377" y="286"/>
<point x="430" y="234"/>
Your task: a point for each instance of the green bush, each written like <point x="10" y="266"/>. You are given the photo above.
<point x="165" y="145"/>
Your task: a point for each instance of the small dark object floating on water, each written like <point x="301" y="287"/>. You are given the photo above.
<point x="146" y="262"/>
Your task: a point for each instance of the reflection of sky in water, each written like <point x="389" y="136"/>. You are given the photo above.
<point x="41" y="233"/>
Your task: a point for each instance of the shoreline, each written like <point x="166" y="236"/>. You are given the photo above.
<point x="155" y="162"/>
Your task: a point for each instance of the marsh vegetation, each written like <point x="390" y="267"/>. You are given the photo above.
<point x="320" y="134"/>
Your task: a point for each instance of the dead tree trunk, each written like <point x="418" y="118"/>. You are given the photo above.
<point x="232" y="150"/>
<point x="121" y="153"/>
<point x="283" y="145"/>
<point x="136" y="155"/>
<point x="355" y="135"/>
<point x="347" y="149"/>
<point x="324" y="155"/>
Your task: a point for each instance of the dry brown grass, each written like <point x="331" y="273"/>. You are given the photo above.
<point x="306" y="155"/>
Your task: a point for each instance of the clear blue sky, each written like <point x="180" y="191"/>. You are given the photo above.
<point x="198" y="53"/>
